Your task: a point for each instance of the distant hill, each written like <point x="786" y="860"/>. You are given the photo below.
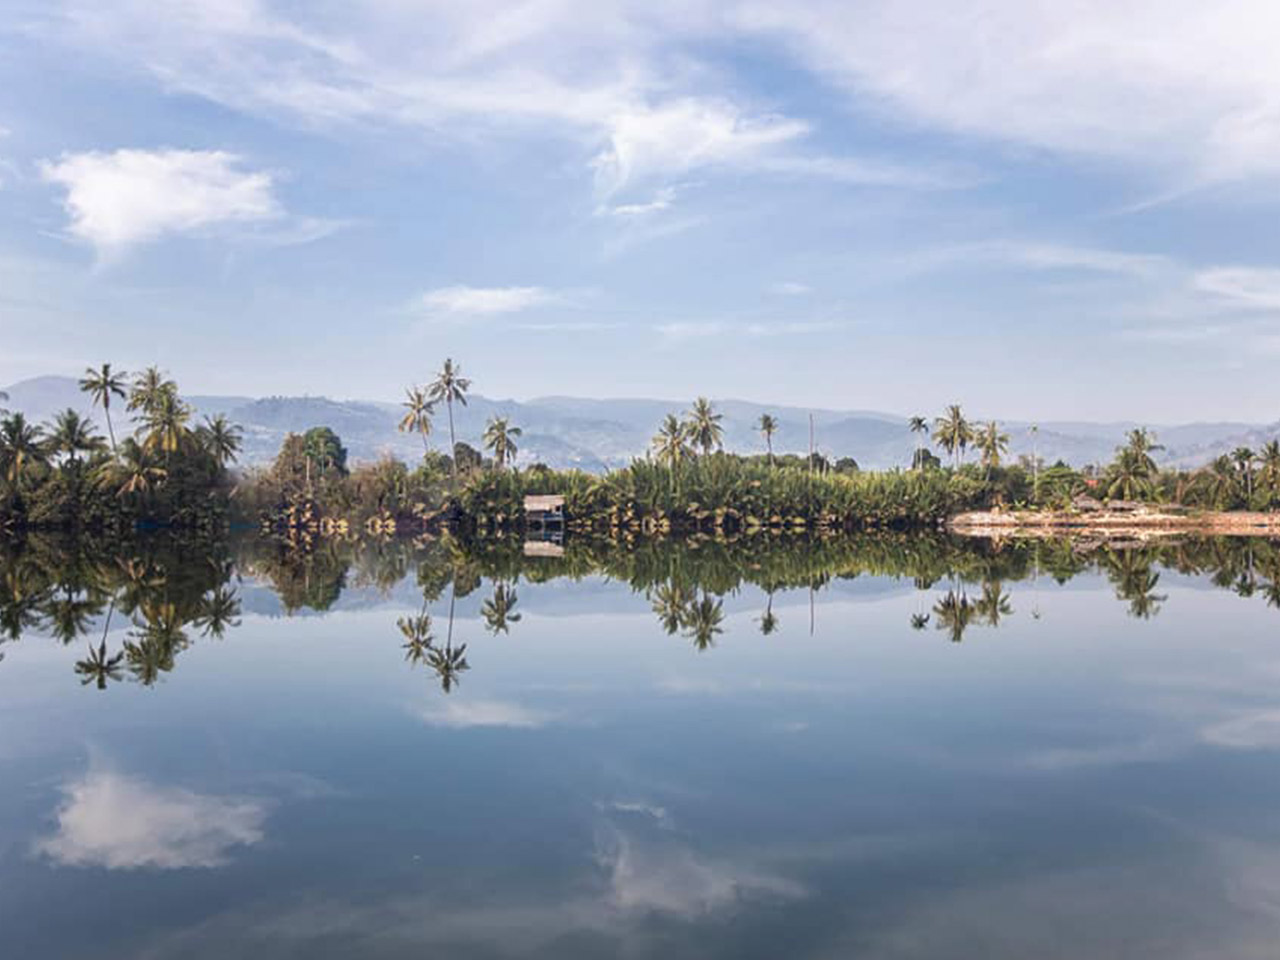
<point x="594" y="435"/>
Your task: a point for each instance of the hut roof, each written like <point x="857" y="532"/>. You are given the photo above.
<point x="543" y="502"/>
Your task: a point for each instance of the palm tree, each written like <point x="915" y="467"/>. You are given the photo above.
<point x="98" y="668"/>
<point x="920" y="427"/>
<point x="992" y="443"/>
<point x="149" y="387"/>
<point x="500" y="437"/>
<point x="768" y="619"/>
<point x="1269" y="471"/>
<point x="768" y="426"/>
<point x="671" y="445"/>
<point x="955" y="612"/>
<point x="221" y="439"/>
<point x="21" y="447"/>
<point x="1219" y="483"/>
<point x="133" y="471"/>
<point x="417" y="418"/>
<point x="498" y="609"/>
<point x="952" y="432"/>
<point x="1244" y="460"/>
<point x="704" y="425"/>
<point x="417" y="637"/>
<point x="450" y="385"/>
<point x="165" y="420"/>
<point x="449" y="663"/>
<point x="702" y="622"/>
<point x="72" y="435"/>
<point x="1141" y="443"/>
<point x="101" y="384"/>
<point x="671" y="603"/>
<point x="218" y="610"/>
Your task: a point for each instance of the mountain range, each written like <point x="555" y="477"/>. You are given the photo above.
<point x="595" y="435"/>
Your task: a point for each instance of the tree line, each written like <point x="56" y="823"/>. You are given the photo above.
<point x="169" y="471"/>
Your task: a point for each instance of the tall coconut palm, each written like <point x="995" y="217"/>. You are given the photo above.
<point x="450" y="385"/>
<point x="101" y="385"/>
<point x="1245" y="459"/>
<point x="221" y="439"/>
<point x="920" y="427"/>
<point x="98" y="668"/>
<point x="500" y="437"/>
<point x="21" y="448"/>
<point x="671" y="446"/>
<point x="703" y="622"/>
<point x="72" y="435"/>
<point x="1141" y="443"/>
<point x="993" y="444"/>
<point x="417" y="417"/>
<point x="417" y="637"/>
<point x="768" y="426"/>
<point x="499" y="610"/>
<point x="704" y="425"/>
<point x="165" y="423"/>
<point x="952" y="432"/>
<point x="149" y="388"/>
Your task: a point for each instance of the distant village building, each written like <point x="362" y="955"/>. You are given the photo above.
<point x="544" y="512"/>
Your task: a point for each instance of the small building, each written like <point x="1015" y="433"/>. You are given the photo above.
<point x="1085" y="503"/>
<point x="544" y="512"/>
<point x="543" y="548"/>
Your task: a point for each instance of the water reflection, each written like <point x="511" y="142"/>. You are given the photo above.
<point x="171" y="592"/>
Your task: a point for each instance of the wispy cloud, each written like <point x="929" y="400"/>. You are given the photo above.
<point x="1253" y="288"/>
<point x="1173" y="84"/>
<point x="463" y="714"/>
<point x="612" y="81"/>
<point x="680" y="330"/>
<point x="464" y="301"/>
<point x="790" y="288"/>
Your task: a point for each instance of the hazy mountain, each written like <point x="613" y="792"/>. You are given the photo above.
<point x="596" y="434"/>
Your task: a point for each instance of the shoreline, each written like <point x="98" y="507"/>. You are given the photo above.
<point x="1142" y="523"/>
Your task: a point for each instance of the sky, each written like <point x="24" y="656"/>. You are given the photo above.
<point x="1050" y="210"/>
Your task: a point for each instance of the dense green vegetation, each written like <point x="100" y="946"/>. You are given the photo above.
<point x="171" y="591"/>
<point x="168" y="472"/>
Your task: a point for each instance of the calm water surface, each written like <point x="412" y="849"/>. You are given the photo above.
<point x="677" y="753"/>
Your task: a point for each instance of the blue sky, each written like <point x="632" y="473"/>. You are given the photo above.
<point x="1042" y="210"/>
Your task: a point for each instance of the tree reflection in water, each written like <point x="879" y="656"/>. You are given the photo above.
<point x="172" y="591"/>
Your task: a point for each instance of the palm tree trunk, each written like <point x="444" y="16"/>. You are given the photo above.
<point x="453" y="445"/>
<point x="106" y="408"/>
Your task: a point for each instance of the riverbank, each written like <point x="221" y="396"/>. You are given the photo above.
<point x="1138" y="522"/>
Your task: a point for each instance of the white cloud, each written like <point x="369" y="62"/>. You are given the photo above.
<point x="682" y="135"/>
<point x="119" y="822"/>
<point x="662" y="200"/>
<point x="790" y="288"/>
<point x="1249" y="287"/>
<point x="618" y="79"/>
<point x="115" y="200"/>
<point x="664" y="876"/>
<point x="1157" y="82"/>
<point x="681" y="330"/>
<point x="484" y="301"/>
<point x="462" y="714"/>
